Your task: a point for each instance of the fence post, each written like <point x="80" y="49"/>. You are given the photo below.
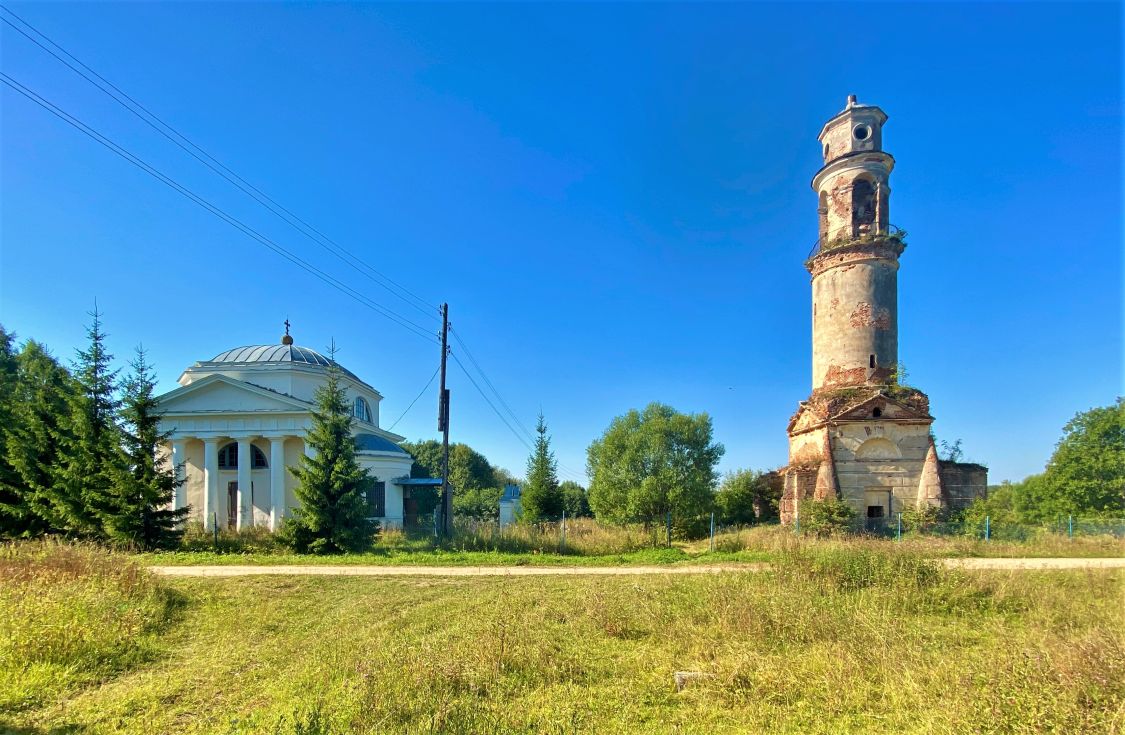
<point x="898" y="532"/>
<point x="712" y="530"/>
<point x="215" y="528"/>
<point x="987" y="527"/>
<point x="435" y="523"/>
<point x="1070" y="526"/>
<point x="562" y="528"/>
<point x="797" y="525"/>
<point x="668" y="526"/>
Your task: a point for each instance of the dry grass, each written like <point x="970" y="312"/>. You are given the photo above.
<point x="773" y="539"/>
<point x="72" y="613"/>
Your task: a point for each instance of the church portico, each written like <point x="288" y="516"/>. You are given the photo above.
<point x="238" y="431"/>
<point x="248" y="468"/>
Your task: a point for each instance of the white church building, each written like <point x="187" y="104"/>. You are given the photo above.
<point x="239" y="420"/>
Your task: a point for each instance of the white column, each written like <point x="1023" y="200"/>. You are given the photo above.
<point x="210" y="483"/>
<point x="277" y="481"/>
<point x="179" y="452"/>
<point x="245" y="517"/>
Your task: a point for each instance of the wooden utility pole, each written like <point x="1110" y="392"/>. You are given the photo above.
<point x="443" y="427"/>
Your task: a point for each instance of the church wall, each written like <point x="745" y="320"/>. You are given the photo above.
<point x="387" y="469"/>
<point x="193" y="466"/>
<point x="807" y="447"/>
<point x="261" y="482"/>
<point x="880" y="464"/>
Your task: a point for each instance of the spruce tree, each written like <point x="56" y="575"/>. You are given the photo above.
<point x="11" y="497"/>
<point x="541" y="498"/>
<point x="332" y="513"/>
<point x="32" y="437"/>
<point x="91" y="457"/>
<point x="140" y="514"/>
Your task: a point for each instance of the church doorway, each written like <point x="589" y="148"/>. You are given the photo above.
<point x="232" y="504"/>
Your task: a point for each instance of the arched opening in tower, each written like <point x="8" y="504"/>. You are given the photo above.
<point x="863" y="207"/>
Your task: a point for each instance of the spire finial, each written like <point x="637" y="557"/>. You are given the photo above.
<point x="287" y="340"/>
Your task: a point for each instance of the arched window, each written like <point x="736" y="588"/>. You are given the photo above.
<point x="863" y="205"/>
<point x="362" y="410"/>
<point x="228" y="457"/>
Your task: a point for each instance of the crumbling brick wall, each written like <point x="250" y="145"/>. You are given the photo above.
<point x="962" y="482"/>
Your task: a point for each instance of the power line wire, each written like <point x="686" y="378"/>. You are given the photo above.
<point x="201" y="155"/>
<point x="498" y="413"/>
<point x="420" y="394"/>
<point x="490" y="384"/>
<point x="504" y="403"/>
<point x="221" y="214"/>
<point x="205" y="158"/>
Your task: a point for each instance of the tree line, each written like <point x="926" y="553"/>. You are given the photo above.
<point x="81" y="452"/>
<point x="648" y="466"/>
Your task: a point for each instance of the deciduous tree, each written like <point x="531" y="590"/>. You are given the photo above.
<point x="745" y="497"/>
<point x="652" y="462"/>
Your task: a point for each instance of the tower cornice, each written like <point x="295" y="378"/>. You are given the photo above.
<point x="882" y="247"/>
<point x="849" y="161"/>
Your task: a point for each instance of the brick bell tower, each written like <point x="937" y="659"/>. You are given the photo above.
<point x="860" y="436"/>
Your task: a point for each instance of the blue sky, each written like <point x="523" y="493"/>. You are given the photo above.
<point x="613" y="198"/>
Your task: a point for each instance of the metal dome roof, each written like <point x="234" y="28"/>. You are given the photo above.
<point x="277" y="353"/>
<point x="375" y="443"/>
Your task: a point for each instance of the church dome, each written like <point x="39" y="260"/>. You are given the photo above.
<point x="276" y="354"/>
<point x="273" y="353"/>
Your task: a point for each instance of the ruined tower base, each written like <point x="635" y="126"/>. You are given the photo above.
<point x="871" y="446"/>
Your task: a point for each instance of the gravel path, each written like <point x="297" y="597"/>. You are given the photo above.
<point x="513" y="571"/>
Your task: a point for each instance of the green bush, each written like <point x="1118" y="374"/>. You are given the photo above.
<point x="825" y="517"/>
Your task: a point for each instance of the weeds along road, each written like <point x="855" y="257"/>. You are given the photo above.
<point x="524" y="571"/>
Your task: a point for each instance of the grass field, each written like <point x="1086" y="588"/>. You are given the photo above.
<point x="831" y="640"/>
<point x="591" y="544"/>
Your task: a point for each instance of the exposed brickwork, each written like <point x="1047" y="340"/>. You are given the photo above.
<point x="963" y="482"/>
<point x="862" y="316"/>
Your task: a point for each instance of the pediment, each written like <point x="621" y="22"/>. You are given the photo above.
<point x="880" y="406"/>
<point x="221" y="394"/>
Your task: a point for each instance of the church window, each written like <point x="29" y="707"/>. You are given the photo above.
<point x="228" y="457"/>
<point x="877" y="412"/>
<point x="362" y="410"/>
<point x="871" y="361"/>
<point x="861" y="132"/>
<point x="376" y="500"/>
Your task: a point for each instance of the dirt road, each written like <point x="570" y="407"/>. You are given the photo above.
<point x="513" y="571"/>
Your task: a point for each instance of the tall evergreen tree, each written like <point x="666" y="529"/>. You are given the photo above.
<point x="332" y="515"/>
<point x="541" y="498"/>
<point x="32" y="437"/>
<point x="140" y="514"/>
<point x="10" y="496"/>
<point x="91" y="441"/>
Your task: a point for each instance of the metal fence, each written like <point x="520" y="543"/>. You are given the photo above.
<point x="987" y="528"/>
